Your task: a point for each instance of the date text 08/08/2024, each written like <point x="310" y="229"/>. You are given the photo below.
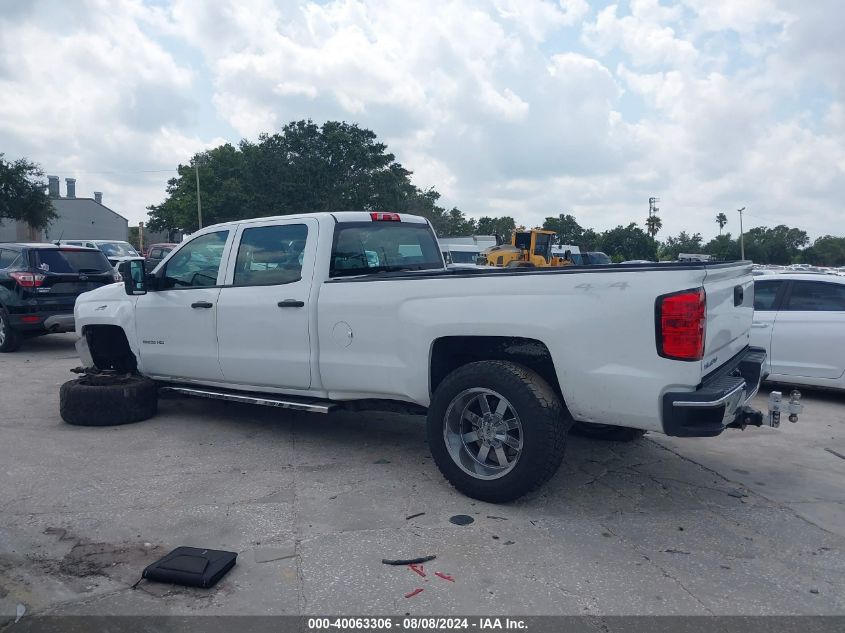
<point x="417" y="623"/>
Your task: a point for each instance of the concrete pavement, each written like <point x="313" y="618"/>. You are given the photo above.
<point x="747" y="523"/>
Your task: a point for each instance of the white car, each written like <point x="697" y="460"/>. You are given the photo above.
<point x="115" y="251"/>
<point x="799" y="319"/>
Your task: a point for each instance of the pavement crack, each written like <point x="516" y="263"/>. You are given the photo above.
<point x="659" y="567"/>
<point x="756" y="493"/>
<point x="685" y="588"/>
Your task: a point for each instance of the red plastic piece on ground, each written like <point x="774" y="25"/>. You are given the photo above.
<point x="419" y="569"/>
<point x="444" y="576"/>
<point x="413" y="593"/>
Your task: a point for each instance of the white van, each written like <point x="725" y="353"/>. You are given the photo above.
<point x="460" y="254"/>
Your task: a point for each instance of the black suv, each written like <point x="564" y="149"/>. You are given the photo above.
<point x="39" y="284"/>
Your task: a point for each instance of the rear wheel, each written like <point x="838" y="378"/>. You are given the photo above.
<point x="108" y="400"/>
<point x="496" y="430"/>
<point x="10" y="338"/>
<point x="607" y="432"/>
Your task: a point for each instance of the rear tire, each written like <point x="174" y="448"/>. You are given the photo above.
<point x="10" y="338"/>
<point x="108" y="401"/>
<point x="524" y="430"/>
<point x="607" y="432"/>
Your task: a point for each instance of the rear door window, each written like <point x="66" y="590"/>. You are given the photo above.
<point x="766" y="294"/>
<point x="270" y="255"/>
<point x="69" y="261"/>
<point x="816" y="296"/>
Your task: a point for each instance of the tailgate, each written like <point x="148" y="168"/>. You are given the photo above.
<point x="730" y="310"/>
<point x="65" y="273"/>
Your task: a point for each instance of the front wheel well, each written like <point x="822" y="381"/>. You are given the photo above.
<point x="109" y="348"/>
<point x="450" y="352"/>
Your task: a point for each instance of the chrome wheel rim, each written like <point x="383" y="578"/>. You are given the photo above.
<point x="483" y="433"/>
<point x="2" y="330"/>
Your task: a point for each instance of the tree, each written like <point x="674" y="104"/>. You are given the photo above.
<point x="566" y="227"/>
<point x="723" y="247"/>
<point x="826" y="251"/>
<point x="684" y="243"/>
<point x="23" y="193"/>
<point x="628" y="242"/>
<point x="721" y="220"/>
<point x="457" y="224"/>
<point x="778" y="245"/>
<point x="303" y="168"/>
<point x="589" y="240"/>
<point x="653" y="225"/>
<point x="503" y="226"/>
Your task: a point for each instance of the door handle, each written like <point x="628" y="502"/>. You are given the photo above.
<point x="202" y="304"/>
<point x="291" y="303"/>
<point x="760" y="325"/>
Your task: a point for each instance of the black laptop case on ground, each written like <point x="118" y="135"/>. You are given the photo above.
<point x="191" y="566"/>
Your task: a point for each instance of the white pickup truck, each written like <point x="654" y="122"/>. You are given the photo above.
<point x="356" y="309"/>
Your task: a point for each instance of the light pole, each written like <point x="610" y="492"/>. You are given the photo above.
<point x="199" y="201"/>
<point x="741" y="235"/>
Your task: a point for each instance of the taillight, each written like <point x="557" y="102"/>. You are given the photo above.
<point x="378" y="216"/>
<point x="28" y="280"/>
<point x="680" y="321"/>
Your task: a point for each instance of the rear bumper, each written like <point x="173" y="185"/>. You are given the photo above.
<point x="719" y="401"/>
<point x="60" y="323"/>
<point x="41" y="321"/>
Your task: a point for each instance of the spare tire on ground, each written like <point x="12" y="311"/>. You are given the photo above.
<point x="108" y="400"/>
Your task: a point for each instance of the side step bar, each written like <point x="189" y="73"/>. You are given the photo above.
<point x="283" y="402"/>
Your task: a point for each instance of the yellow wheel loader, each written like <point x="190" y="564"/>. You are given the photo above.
<point x="528" y="249"/>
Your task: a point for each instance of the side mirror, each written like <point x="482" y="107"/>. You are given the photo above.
<point x="134" y="277"/>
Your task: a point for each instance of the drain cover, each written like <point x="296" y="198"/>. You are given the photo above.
<point x="461" y="519"/>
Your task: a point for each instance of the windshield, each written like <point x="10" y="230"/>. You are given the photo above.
<point x="463" y="257"/>
<point x="367" y="247"/>
<point x="70" y="261"/>
<point x="118" y="249"/>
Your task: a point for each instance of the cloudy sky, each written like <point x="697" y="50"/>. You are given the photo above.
<point x="518" y="107"/>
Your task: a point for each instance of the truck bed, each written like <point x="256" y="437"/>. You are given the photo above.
<point x="597" y="322"/>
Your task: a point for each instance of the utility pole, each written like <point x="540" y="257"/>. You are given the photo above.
<point x="199" y="202"/>
<point x="741" y="235"/>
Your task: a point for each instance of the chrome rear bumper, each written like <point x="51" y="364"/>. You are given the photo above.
<point x="720" y="401"/>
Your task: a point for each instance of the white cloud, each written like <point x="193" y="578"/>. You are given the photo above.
<point x="742" y="17"/>
<point x="642" y="36"/>
<point x="528" y="108"/>
<point x="537" y="17"/>
<point x="94" y="96"/>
